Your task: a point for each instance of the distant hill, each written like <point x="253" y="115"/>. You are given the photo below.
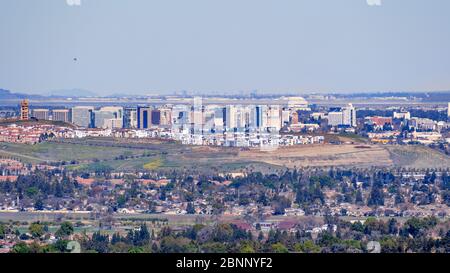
<point x="64" y="93"/>
<point x="74" y="93"/>
<point x="7" y="95"/>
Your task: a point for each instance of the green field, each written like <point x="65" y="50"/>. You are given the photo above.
<point x="54" y="152"/>
<point x="140" y="155"/>
<point x="126" y="156"/>
<point x="417" y="156"/>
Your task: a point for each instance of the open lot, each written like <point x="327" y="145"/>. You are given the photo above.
<point x="323" y="156"/>
<point x="419" y="157"/>
<point x="134" y="155"/>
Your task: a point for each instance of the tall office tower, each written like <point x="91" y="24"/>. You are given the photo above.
<point x="82" y="116"/>
<point x="285" y="116"/>
<point x="197" y="117"/>
<point x="156" y="117"/>
<point x="243" y="114"/>
<point x="165" y="116"/>
<point x="448" y="110"/>
<point x="218" y="119"/>
<point x="230" y="117"/>
<point x="117" y="110"/>
<point x="256" y="118"/>
<point x="180" y="114"/>
<point x="61" y="115"/>
<point x="294" y="117"/>
<point x="349" y="115"/>
<point x="273" y="118"/>
<point x="209" y="116"/>
<point x="335" y="118"/>
<point x="24" y="111"/>
<point x="144" y="117"/>
<point x="101" y="118"/>
<point x="130" y="118"/>
<point x="43" y="114"/>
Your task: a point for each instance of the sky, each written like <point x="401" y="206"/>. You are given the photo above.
<point x="220" y="46"/>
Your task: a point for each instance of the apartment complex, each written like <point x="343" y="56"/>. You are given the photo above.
<point x="61" y="115"/>
<point x="82" y="116"/>
<point x="43" y="114"/>
<point x="345" y="116"/>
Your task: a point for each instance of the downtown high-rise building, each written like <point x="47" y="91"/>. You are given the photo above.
<point x="108" y="117"/>
<point x="346" y="116"/>
<point x="165" y="116"/>
<point x="448" y="110"/>
<point x="144" y="117"/>
<point x="101" y="118"/>
<point x="41" y="114"/>
<point x="130" y="118"/>
<point x="273" y="118"/>
<point x="82" y="116"/>
<point x="349" y="115"/>
<point x="61" y="115"/>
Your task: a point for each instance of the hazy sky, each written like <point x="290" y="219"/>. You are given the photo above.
<point x="155" y="46"/>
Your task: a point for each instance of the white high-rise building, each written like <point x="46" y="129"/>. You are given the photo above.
<point x="43" y="114"/>
<point x="82" y="116"/>
<point x="230" y="117"/>
<point x="345" y="117"/>
<point x="334" y="118"/>
<point x="197" y="115"/>
<point x="130" y="118"/>
<point x="273" y="118"/>
<point x="101" y="118"/>
<point x="285" y="117"/>
<point x="448" y="110"/>
<point x="61" y="115"/>
<point x="108" y="117"/>
<point x="349" y="115"/>
<point x="117" y="110"/>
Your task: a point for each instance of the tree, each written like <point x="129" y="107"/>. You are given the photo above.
<point x="65" y="230"/>
<point x="307" y="247"/>
<point x="359" y="197"/>
<point x="39" y="205"/>
<point x="2" y="231"/>
<point x="392" y="224"/>
<point x="190" y="208"/>
<point x="376" y="196"/>
<point x="247" y="248"/>
<point x="20" y="247"/>
<point x="36" y="230"/>
<point x="98" y="242"/>
<point x="279" y="248"/>
<point x="61" y="246"/>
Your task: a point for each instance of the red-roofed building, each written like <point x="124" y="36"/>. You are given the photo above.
<point x="85" y="181"/>
<point x="10" y="178"/>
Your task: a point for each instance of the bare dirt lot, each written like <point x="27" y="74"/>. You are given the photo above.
<point x="322" y="156"/>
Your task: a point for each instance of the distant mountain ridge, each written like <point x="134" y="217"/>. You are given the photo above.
<point x="72" y="93"/>
<point x="8" y="95"/>
<point x="65" y="93"/>
<point x="436" y="96"/>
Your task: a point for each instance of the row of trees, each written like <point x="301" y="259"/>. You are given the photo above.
<point x="414" y="235"/>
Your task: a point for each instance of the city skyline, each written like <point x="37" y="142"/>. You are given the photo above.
<point x="148" y="47"/>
